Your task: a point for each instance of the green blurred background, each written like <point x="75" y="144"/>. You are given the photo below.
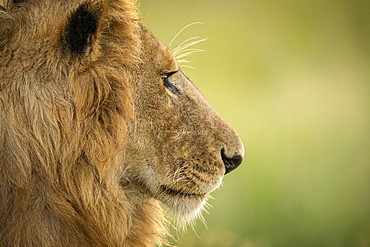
<point x="293" y="78"/>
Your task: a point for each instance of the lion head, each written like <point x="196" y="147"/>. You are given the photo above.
<point x="99" y="124"/>
<point x="179" y="148"/>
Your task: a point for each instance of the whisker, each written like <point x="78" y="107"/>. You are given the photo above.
<point x="187" y="44"/>
<point x="184" y="44"/>
<point x="179" y="172"/>
<point x="191" y="24"/>
<point x="184" y="48"/>
<point x="185" y="66"/>
<point x="186" y="53"/>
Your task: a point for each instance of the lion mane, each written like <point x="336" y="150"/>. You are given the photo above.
<point x="66" y="109"/>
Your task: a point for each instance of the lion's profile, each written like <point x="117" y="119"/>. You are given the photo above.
<point x="98" y="124"/>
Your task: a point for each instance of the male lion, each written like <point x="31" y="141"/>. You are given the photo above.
<point x="98" y="124"/>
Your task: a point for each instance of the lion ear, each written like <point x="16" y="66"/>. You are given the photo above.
<point x="83" y="25"/>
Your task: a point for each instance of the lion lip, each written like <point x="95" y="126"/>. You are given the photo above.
<point x="167" y="190"/>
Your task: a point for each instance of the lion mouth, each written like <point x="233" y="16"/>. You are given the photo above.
<point x="184" y="205"/>
<point x="167" y="190"/>
<point x="163" y="191"/>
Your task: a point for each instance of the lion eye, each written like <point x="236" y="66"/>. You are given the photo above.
<point x="168" y="84"/>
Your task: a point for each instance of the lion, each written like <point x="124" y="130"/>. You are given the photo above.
<point x="99" y="127"/>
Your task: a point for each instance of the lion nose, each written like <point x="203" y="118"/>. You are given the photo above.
<point x="231" y="163"/>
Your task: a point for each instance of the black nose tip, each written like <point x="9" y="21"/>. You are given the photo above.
<point x="231" y="163"/>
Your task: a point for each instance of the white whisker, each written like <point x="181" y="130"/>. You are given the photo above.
<point x="186" y="44"/>
<point x="185" y="66"/>
<point x="174" y="38"/>
<point x="183" y="50"/>
<point x="186" y="53"/>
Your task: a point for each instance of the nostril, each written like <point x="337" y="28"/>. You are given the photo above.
<point x="231" y="163"/>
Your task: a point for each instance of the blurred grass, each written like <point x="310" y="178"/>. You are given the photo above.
<point x="293" y="78"/>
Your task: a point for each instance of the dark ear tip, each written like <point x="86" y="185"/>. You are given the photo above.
<point x="82" y="25"/>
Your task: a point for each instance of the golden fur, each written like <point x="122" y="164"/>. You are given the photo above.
<point x="97" y="125"/>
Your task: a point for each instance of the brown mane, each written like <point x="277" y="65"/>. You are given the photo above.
<point x="60" y="157"/>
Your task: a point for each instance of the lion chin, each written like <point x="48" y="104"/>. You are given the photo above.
<point x="185" y="207"/>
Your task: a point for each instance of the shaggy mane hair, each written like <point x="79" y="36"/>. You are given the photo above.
<point x="61" y="133"/>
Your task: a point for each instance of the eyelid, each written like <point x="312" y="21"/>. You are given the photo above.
<point x="168" y="74"/>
